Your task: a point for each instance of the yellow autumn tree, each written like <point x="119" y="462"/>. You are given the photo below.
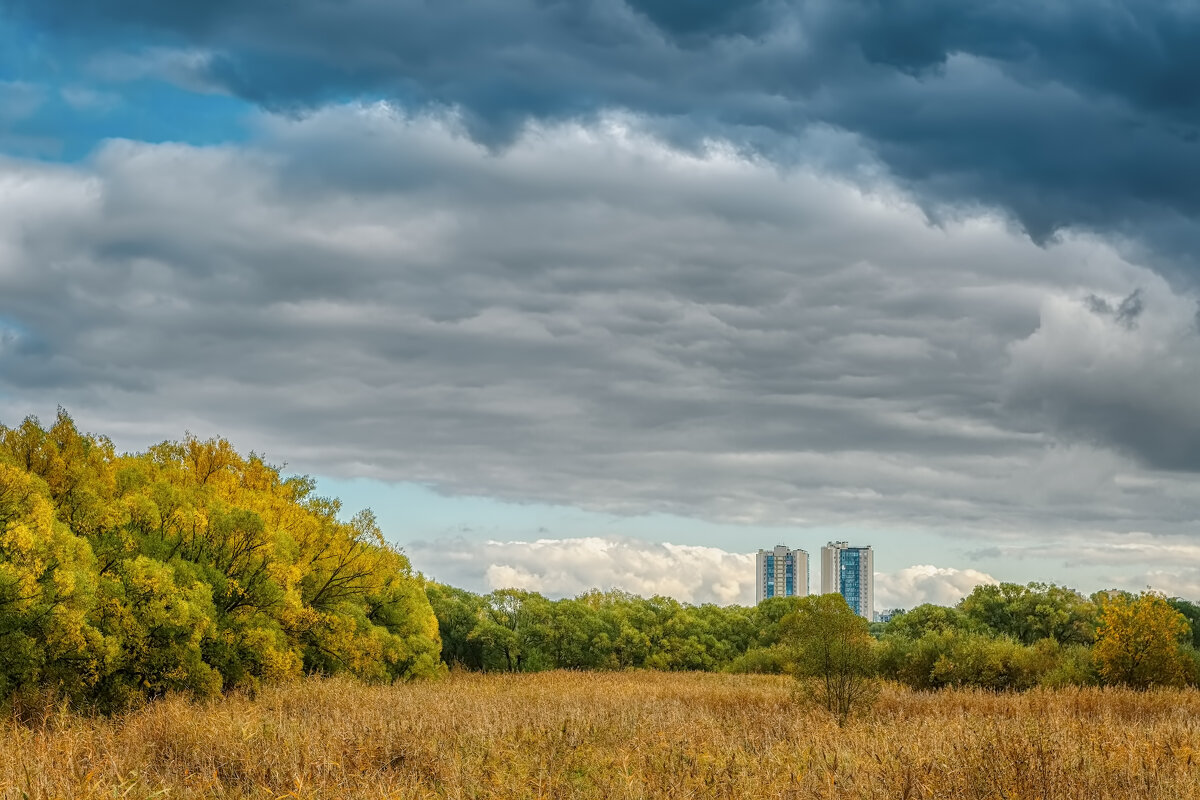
<point x="1138" y="642"/>
<point x="189" y="567"/>
<point x="47" y="588"/>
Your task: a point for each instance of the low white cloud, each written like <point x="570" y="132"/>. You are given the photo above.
<point x="567" y="567"/>
<point x="688" y="573"/>
<point x="925" y="583"/>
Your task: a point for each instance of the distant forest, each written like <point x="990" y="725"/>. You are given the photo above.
<point x="999" y="637"/>
<point x="190" y="567"/>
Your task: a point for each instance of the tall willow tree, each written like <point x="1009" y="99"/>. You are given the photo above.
<point x="189" y="567"/>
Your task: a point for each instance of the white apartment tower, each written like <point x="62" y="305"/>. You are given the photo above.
<point x="781" y="573"/>
<point x="850" y="571"/>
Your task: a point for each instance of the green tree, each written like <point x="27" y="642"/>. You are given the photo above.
<point x="833" y="653"/>
<point x="571" y="632"/>
<point x="510" y="626"/>
<point x="767" y="616"/>
<point x="912" y="661"/>
<point x="1032" y="612"/>
<point x="457" y="612"/>
<point x="986" y="662"/>
<point x="1191" y="612"/>
<point x="929" y="618"/>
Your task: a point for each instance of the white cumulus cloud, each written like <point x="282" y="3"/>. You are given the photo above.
<point x="925" y="583"/>
<point x="689" y="573"/>
<point x="566" y="567"/>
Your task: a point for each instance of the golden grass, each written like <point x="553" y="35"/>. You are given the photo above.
<point x="615" y="735"/>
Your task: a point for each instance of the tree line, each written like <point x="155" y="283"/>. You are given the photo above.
<point x="1004" y="636"/>
<point x="520" y="631"/>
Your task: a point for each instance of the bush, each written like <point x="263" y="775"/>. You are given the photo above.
<point x="984" y="662"/>
<point x="761" y="660"/>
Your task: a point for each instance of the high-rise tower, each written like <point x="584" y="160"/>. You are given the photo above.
<point x="850" y="571"/>
<point x="781" y="573"/>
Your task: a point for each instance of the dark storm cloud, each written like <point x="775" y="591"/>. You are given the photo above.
<point x="1068" y="113"/>
<point x="1121" y="372"/>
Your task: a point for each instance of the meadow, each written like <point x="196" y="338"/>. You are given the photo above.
<point x="611" y="735"/>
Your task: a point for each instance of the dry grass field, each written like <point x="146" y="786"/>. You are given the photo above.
<point x="623" y="735"/>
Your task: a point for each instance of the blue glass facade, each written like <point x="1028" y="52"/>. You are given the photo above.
<point x="850" y="572"/>
<point x="781" y="573"/>
<point x="849" y="579"/>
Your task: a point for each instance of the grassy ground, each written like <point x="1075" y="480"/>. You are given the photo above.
<point x="625" y="735"/>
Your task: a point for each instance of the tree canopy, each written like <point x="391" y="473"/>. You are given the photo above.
<point x="189" y="567"/>
<point x="1138" y="641"/>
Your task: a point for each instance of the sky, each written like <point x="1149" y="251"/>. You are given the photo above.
<point x="612" y="293"/>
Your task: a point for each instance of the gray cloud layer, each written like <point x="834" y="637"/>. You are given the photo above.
<point x="593" y="317"/>
<point x="1066" y="114"/>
